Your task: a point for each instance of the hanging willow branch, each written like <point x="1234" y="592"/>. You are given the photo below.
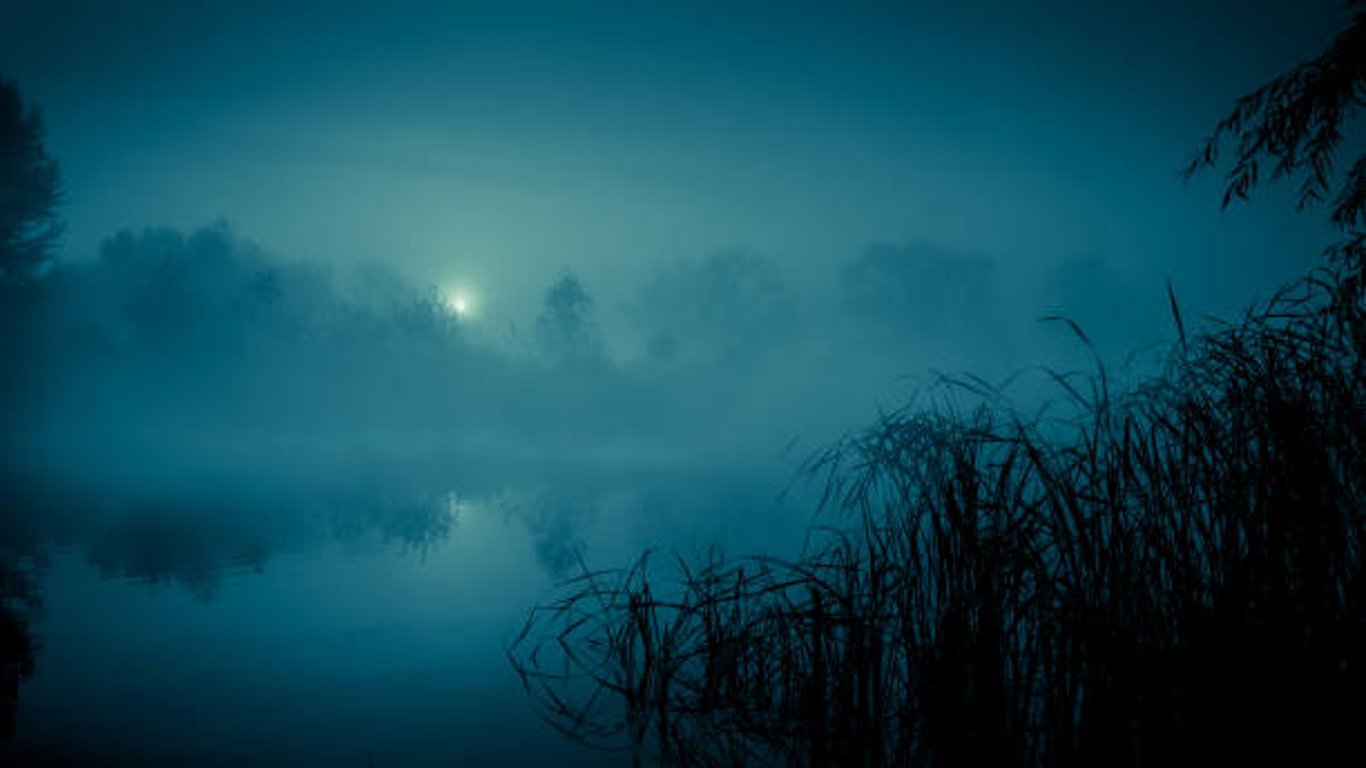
<point x="1292" y="127"/>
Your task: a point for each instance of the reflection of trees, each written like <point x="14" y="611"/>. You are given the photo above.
<point x="1174" y="574"/>
<point x="19" y="597"/>
<point x="1169" y="575"/>
<point x="553" y="524"/>
<point x="162" y="545"/>
<point x="417" y="524"/>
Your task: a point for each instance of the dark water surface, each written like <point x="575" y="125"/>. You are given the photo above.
<point x="357" y="629"/>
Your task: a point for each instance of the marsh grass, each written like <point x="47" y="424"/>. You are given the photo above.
<point x="1168" y="574"/>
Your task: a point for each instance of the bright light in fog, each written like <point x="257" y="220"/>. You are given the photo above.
<point x="460" y="301"/>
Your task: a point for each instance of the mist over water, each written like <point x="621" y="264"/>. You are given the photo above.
<point x="342" y="366"/>
<point x="271" y="501"/>
<point x="285" y="511"/>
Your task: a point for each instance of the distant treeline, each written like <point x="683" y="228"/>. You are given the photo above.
<point x="172" y="345"/>
<point x="1171" y="572"/>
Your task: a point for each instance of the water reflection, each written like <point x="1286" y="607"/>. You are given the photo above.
<point x="371" y="609"/>
<point x="177" y="539"/>
<point x="553" y="524"/>
<point x="21" y="563"/>
<point x="19" y="599"/>
<point x="416" y="523"/>
<point x="165" y="544"/>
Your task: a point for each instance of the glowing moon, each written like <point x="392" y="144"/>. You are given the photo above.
<point x="460" y="301"/>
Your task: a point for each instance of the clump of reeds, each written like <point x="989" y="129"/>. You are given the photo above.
<point x="1174" y="573"/>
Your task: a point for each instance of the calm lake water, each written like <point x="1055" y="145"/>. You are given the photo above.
<point x="354" y="628"/>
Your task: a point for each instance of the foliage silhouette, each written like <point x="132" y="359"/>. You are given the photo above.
<point x="1295" y="124"/>
<point x="1168" y="574"/>
<point x="564" y="328"/>
<point x="29" y="190"/>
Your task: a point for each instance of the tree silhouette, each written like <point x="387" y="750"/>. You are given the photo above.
<point x="1174" y="573"/>
<point x="1295" y="123"/>
<point x="30" y="190"/>
<point x="564" y="327"/>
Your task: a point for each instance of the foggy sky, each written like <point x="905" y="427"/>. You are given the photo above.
<point x="765" y="223"/>
<point x="489" y="145"/>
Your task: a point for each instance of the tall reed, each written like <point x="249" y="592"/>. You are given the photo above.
<point x="1171" y="573"/>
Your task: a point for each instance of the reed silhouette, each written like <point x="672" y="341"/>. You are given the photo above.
<point x="1173" y="573"/>
<point x="1161" y="573"/>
